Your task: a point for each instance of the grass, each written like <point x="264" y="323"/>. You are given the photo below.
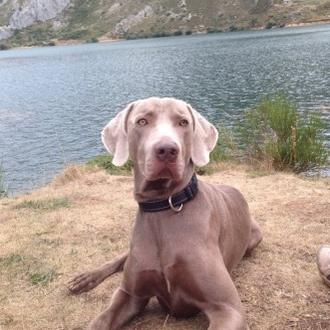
<point x="44" y="205"/>
<point x="274" y="132"/>
<point x="43" y="278"/>
<point x="36" y="272"/>
<point x="12" y="259"/>
<point x="41" y="251"/>
<point x="105" y="161"/>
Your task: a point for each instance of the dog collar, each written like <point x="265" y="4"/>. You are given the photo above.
<point x="174" y="202"/>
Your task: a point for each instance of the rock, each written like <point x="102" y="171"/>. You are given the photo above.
<point x="124" y="25"/>
<point x="28" y="12"/>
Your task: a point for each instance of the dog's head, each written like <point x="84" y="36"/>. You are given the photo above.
<point x="161" y="135"/>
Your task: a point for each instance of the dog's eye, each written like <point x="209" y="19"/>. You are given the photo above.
<point x="142" y="122"/>
<point x="183" y="122"/>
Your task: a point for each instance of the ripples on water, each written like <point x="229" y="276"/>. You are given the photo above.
<point x="54" y="101"/>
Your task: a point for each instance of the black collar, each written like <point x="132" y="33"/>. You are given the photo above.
<point x="174" y="202"/>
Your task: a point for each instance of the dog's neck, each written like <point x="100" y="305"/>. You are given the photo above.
<point x="145" y="190"/>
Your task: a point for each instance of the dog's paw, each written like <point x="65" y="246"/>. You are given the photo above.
<point x="323" y="263"/>
<point x="99" y="324"/>
<point x="84" y="282"/>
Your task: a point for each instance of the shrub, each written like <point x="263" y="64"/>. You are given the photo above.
<point x="3" y="188"/>
<point x="3" y="47"/>
<point x="92" y="40"/>
<point x="274" y="132"/>
<point x="270" y="24"/>
<point x="233" y="28"/>
<point x="226" y="148"/>
<point x="178" y="33"/>
<point x="160" y="34"/>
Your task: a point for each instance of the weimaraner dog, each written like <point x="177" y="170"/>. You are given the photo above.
<point x="188" y="234"/>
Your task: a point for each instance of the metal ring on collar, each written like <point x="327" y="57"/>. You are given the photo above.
<point x="173" y="207"/>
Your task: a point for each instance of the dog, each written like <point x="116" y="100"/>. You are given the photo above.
<point x="188" y="234"/>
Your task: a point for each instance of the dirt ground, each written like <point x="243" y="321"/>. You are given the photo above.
<point x="84" y="218"/>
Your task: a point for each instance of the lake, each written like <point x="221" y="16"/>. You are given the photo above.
<point x="54" y="101"/>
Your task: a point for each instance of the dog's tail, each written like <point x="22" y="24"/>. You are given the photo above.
<point x="89" y="280"/>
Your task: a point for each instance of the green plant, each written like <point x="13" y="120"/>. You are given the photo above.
<point x="274" y="132"/>
<point x="105" y="161"/>
<point x="92" y="40"/>
<point x="178" y="33"/>
<point x="12" y="259"/>
<point x="253" y="22"/>
<point x="4" y="47"/>
<point x="3" y="188"/>
<point x="43" y="277"/>
<point x="226" y="148"/>
<point x="233" y="28"/>
<point x="270" y="24"/>
<point x="44" y="205"/>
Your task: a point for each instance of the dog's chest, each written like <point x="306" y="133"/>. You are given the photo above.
<point x="174" y="288"/>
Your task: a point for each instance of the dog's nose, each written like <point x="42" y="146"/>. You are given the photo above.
<point x="166" y="151"/>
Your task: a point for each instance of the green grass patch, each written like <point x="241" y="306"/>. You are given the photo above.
<point x="43" y="277"/>
<point x="11" y="260"/>
<point x="31" y="268"/>
<point x="105" y="161"/>
<point x="44" y="205"/>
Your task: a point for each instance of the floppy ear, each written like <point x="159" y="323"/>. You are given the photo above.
<point x="204" y="139"/>
<point x="114" y="136"/>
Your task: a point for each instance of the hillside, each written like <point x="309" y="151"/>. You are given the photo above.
<point x="35" y="22"/>
<point x="84" y="218"/>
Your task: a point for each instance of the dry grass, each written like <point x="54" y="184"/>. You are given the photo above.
<point x="42" y="247"/>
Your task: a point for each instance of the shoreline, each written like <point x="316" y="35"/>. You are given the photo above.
<point x="105" y="40"/>
<point x="320" y="174"/>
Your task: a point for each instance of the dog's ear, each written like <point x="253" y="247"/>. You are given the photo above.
<point x="114" y="136"/>
<point x="204" y="139"/>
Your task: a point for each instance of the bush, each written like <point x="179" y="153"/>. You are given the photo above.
<point x="270" y="24"/>
<point x="3" y="47"/>
<point x="178" y="33"/>
<point x="3" y="188"/>
<point x="273" y="132"/>
<point x="233" y="28"/>
<point x="92" y="40"/>
<point x="217" y="30"/>
<point x="160" y="34"/>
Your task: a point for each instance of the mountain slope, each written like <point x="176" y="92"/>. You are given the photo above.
<point x="28" y="22"/>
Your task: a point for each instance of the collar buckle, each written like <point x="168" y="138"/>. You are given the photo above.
<point x="178" y="209"/>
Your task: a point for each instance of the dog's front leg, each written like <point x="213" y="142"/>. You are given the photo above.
<point x="225" y="317"/>
<point x="89" y="280"/>
<point x="122" y="308"/>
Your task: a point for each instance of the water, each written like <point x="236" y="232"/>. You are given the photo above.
<point x="54" y="101"/>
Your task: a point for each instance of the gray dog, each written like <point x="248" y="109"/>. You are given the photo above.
<point x="188" y="234"/>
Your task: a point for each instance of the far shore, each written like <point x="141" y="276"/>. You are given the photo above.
<point x="105" y="39"/>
